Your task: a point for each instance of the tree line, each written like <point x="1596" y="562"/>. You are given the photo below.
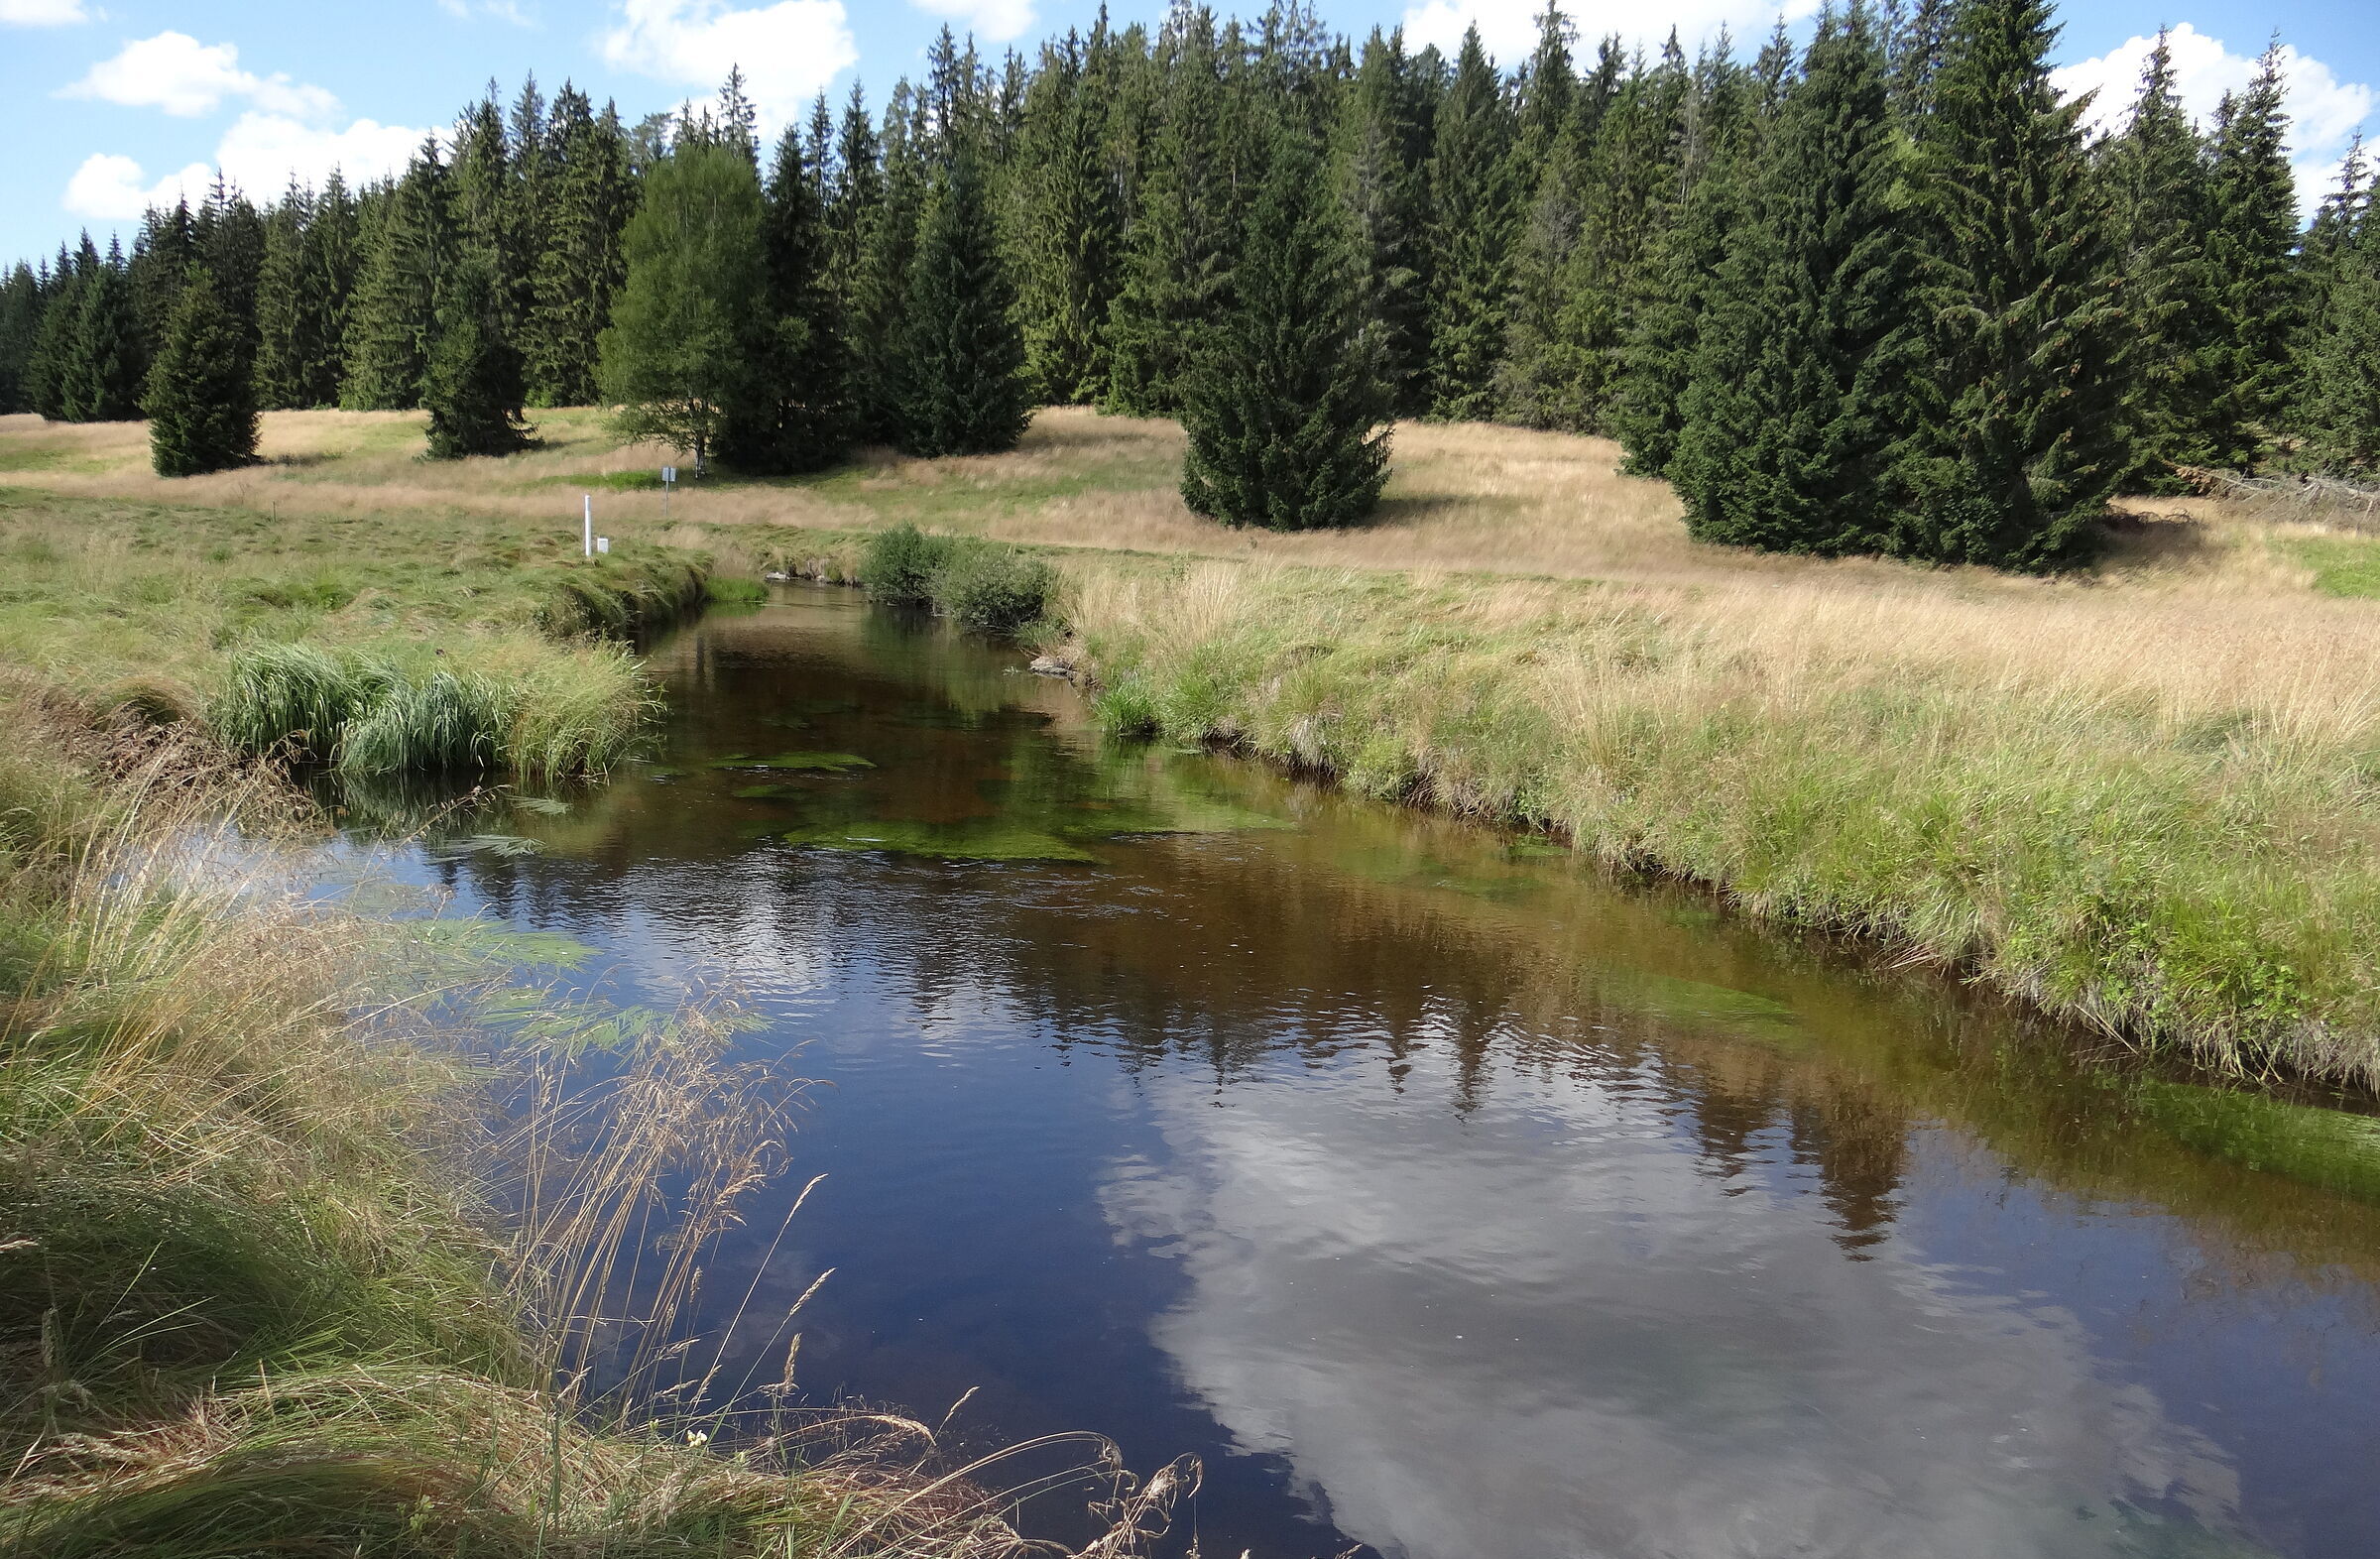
<point x="1882" y="293"/>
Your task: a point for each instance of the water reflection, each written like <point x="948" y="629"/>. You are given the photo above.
<point x="1451" y="1202"/>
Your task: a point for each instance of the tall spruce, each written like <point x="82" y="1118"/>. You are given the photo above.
<point x="2251" y="242"/>
<point x="395" y="315"/>
<point x="1285" y="405"/>
<point x="1541" y="380"/>
<point x="161" y="254"/>
<point x="1179" y="250"/>
<point x="201" y="403"/>
<point x="1473" y="209"/>
<point x="797" y="417"/>
<point x="2340" y="406"/>
<point x="1383" y="157"/>
<point x="1805" y="399"/>
<point x="678" y="356"/>
<point x="330" y="254"/>
<point x="2156" y="180"/>
<point x="2024" y="290"/>
<point x="586" y="197"/>
<point x="879" y="291"/>
<point x="55" y="336"/>
<point x="104" y="359"/>
<point x="962" y="355"/>
<point x="473" y="384"/>
<point x="20" y="321"/>
<point x="282" y="350"/>
<point x="1678" y="287"/>
<point x="1068" y="221"/>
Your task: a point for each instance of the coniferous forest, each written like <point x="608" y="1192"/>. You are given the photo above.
<point x="1883" y="292"/>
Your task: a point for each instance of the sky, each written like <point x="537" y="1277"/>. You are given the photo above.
<point x="106" y="105"/>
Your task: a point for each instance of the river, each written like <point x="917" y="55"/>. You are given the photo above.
<point x="1446" y="1198"/>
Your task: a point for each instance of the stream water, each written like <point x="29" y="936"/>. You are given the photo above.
<point x="1444" y="1197"/>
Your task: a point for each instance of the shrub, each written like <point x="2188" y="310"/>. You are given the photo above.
<point x="993" y="589"/>
<point x="899" y="565"/>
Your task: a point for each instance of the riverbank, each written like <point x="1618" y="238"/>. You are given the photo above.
<point x="289" y="1266"/>
<point x="2139" y="796"/>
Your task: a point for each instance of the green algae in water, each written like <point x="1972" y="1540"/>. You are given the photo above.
<point x="991" y="839"/>
<point x="803" y="762"/>
<point x="2329" y="1149"/>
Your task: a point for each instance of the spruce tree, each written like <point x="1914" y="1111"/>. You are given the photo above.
<point x="20" y="321"/>
<point x="797" y="419"/>
<point x="1472" y="219"/>
<point x="104" y="360"/>
<point x="588" y="196"/>
<point x="230" y="235"/>
<point x="162" y="255"/>
<point x="328" y="257"/>
<point x="1542" y="380"/>
<point x="283" y="352"/>
<point x="473" y="383"/>
<point x="1068" y="224"/>
<point x="1805" y="394"/>
<point x="1285" y="405"/>
<point x="879" y="285"/>
<point x="2155" y="175"/>
<point x="962" y="358"/>
<point x="1383" y="157"/>
<point x="2339" y="407"/>
<point x="201" y="407"/>
<point x="2251" y="245"/>
<point x="2024" y="288"/>
<point x="1179" y="250"/>
<point x="394" y="320"/>
<point x="678" y="356"/>
<point x="1678" y="286"/>
<point x="53" y="337"/>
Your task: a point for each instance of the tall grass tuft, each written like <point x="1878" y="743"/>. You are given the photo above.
<point x="540" y="710"/>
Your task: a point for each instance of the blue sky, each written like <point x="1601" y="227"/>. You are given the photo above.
<point x="106" y="103"/>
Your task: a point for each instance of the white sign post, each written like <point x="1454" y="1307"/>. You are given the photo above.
<point x="590" y="525"/>
<point x="668" y="480"/>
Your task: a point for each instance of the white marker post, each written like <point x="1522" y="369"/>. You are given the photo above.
<point x="590" y="525"/>
<point x="668" y="480"/>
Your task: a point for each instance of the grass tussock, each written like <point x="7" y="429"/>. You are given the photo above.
<point x="281" y="1272"/>
<point x="383" y="710"/>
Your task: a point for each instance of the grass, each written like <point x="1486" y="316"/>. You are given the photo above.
<point x="284" y="1274"/>
<point x="449" y="645"/>
<point x="283" y="1271"/>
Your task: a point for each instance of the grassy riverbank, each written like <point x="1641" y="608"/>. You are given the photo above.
<point x="2142" y="795"/>
<point x="257" y="1296"/>
<point x="278" y="1270"/>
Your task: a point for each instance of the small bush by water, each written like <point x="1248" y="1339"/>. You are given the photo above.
<point x="986" y="586"/>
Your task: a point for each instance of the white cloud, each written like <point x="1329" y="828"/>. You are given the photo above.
<point x="260" y="154"/>
<point x="111" y="188"/>
<point x="995" y="21"/>
<point x="1508" y="28"/>
<point x="43" y="13"/>
<point x="2324" y="111"/>
<point x="179" y="75"/>
<point x="788" y="51"/>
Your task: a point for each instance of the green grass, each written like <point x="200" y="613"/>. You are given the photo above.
<point x="2341" y="566"/>
<point x="378" y="642"/>
<point x="2205" y="890"/>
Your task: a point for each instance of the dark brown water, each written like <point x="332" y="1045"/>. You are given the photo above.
<point x="1445" y="1198"/>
